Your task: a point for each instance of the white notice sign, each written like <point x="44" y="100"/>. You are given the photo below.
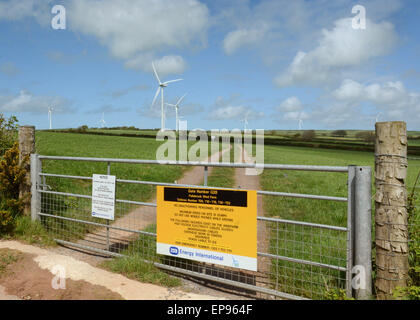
<point x="103" y="196"/>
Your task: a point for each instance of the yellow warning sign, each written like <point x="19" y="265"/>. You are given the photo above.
<point x="210" y="225"/>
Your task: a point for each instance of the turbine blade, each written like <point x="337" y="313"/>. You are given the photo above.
<point x="172" y="81"/>
<point x="156" y="75"/>
<point x="180" y="99"/>
<point x="156" y="94"/>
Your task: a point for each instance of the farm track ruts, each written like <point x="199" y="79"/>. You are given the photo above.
<point x="141" y="217"/>
<point x="252" y="182"/>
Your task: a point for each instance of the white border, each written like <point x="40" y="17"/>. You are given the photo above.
<point x="224" y="259"/>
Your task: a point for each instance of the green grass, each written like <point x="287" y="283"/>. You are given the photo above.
<point x="134" y="266"/>
<point x="32" y="232"/>
<point x="81" y="145"/>
<point x="84" y="145"/>
<point x="287" y="240"/>
<point x="223" y="177"/>
<point x="8" y="257"/>
<point x="306" y="243"/>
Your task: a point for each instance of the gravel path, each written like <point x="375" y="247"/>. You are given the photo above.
<point x="249" y="180"/>
<point x="97" y="280"/>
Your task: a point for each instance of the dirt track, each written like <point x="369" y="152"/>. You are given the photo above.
<point x="85" y="281"/>
<point x="248" y="179"/>
<point x="31" y="276"/>
<point x="143" y="216"/>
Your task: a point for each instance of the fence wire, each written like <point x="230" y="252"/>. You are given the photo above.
<point x="413" y="222"/>
<point x="297" y="258"/>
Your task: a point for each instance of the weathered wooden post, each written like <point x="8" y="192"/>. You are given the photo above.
<point x="26" y="147"/>
<point x="391" y="231"/>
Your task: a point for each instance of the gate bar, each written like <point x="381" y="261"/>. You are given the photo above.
<point x="209" y="164"/>
<point x="351" y="185"/>
<point x="262" y="254"/>
<point x="268" y="193"/>
<point x="191" y="273"/>
<point x="363" y="231"/>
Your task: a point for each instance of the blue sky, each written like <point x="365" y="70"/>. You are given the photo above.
<point x="276" y="61"/>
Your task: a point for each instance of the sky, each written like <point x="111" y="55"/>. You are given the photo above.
<point x="323" y="64"/>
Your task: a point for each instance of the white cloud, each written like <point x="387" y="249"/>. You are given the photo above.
<point x="387" y="96"/>
<point x="129" y="27"/>
<point x="243" y="37"/>
<point x="349" y="90"/>
<point x="136" y="31"/>
<point x="290" y="104"/>
<point x="25" y="101"/>
<point x="164" y="66"/>
<point x="291" y="109"/>
<point x="356" y="105"/>
<point x="15" y="10"/>
<point x="232" y="108"/>
<point x="228" y="113"/>
<point x="295" y="115"/>
<point x="339" y="48"/>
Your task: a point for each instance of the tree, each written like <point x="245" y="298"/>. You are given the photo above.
<point x="12" y="175"/>
<point x="339" y="133"/>
<point x="8" y="133"/>
<point x="367" y="136"/>
<point x="308" y="135"/>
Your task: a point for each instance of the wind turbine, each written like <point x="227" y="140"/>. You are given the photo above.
<point x="176" y="106"/>
<point x="300" y="123"/>
<point x="377" y="116"/>
<point x="102" y="121"/>
<point x="50" y="110"/>
<point x="245" y="121"/>
<point x="162" y="85"/>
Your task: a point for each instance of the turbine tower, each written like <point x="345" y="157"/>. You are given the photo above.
<point x="245" y="121"/>
<point x="377" y="117"/>
<point x="176" y="106"/>
<point x="102" y="121"/>
<point x="50" y="110"/>
<point x="300" y="123"/>
<point x="162" y="85"/>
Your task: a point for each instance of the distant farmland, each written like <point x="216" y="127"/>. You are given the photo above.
<point x="324" y="139"/>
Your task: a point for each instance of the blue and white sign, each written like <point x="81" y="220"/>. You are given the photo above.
<point x="225" y="259"/>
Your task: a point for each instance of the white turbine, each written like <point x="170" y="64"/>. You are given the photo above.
<point x="162" y="85"/>
<point x="176" y="106"/>
<point x="300" y="123"/>
<point x="377" y="116"/>
<point x="50" y="110"/>
<point x="245" y="121"/>
<point x="102" y="121"/>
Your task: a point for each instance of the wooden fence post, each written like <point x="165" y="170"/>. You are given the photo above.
<point x="26" y="147"/>
<point x="391" y="230"/>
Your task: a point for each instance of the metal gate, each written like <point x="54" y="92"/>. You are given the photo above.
<point x="296" y="259"/>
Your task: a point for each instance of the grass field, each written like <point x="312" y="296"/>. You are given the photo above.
<point x="296" y="242"/>
<point x="310" y="243"/>
<point x="82" y="145"/>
